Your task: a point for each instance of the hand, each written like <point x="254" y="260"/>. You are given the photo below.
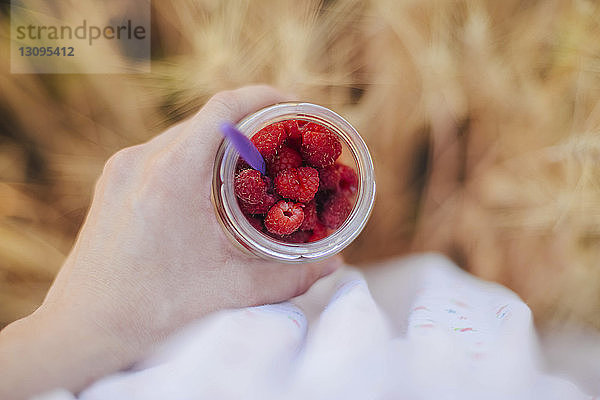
<point x="152" y="256"/>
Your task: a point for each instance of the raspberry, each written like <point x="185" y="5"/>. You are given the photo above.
<point x="320" y="149"/>
<point x="329" y="178"/>
<point x="310" y="216"/>
<point x="335" y="211"/>
<point x="261" y="208"/>
<point x="299" y="184"/>
<point x="284" y="218"/>
<point x="250" y="186"/>
<point x="311" y="126"/>
<point x="338" y="177"/>
<point x="305" y="194"/>
<point x="269" y="140"/>
<point x="319" y="232"/>
<point x="348" y="179"/>
<point x="285" y="158"/>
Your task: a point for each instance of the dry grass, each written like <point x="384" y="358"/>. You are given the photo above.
<point x="483" y="118"/>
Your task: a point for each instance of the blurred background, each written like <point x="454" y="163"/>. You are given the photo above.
<point x="483" y="118"/>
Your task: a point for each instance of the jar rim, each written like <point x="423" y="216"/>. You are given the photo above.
<point x="260" y="244"/>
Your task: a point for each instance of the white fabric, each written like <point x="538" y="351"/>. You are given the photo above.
<point x="420" y="329"/>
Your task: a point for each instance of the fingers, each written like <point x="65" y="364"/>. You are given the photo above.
<point x="309" y="273"/>
<point x="233" y="105"/>
<point x="202" y="136"/>
<point x="185" y="153"/>
<point x="230" y="106"/>
<point x="285" y="281"/>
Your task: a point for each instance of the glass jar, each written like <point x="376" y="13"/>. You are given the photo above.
<point x="354" y="153"/>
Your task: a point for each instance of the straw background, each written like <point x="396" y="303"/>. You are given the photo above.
<point x="483" y="118"/>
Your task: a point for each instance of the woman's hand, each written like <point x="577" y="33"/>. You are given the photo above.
<point x="150" y="257"/>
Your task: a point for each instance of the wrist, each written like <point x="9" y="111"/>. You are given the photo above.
<point x="90" y="333"/>
<point x="53" y="348"/>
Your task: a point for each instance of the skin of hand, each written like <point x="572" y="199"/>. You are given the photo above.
<point x="150" y="257"/>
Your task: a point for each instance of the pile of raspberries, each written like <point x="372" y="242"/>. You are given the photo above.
<point x="305" y="194"/>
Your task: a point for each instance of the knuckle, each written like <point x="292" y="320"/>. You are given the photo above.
<point x="228" y="101"/>
<point x="305" y="279"/>
<point x="119" y="166"/>
<point x="121" y="161"/>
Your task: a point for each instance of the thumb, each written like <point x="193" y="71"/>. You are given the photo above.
<point x="201" y="138"/>
<point x="291" y="280"/>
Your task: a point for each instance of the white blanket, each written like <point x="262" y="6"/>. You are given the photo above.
<point x="418" y="328"/>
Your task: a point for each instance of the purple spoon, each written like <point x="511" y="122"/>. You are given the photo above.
<point x="244" y="147"/>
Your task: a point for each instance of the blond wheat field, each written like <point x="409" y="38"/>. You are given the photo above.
<point x="483" y="118"/>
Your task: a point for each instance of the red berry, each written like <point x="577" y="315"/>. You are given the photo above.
<point x="329" y="178"/>
<point x="250" y="186"/>
<point x="291" y="126"/>
<point x="348" y="179"/>
<point x="300" y="157"/>
<point x="320" y="149"/>
<point x="284" y="218"/>
<point x="299" y="184"/>
<point x="310" y="216"/>
<point x="312" y="126"/>
<point x="335" y="211"/>
<point x="261" y="208"/>
<point x="269" y="140"/>
<point x="319" y="232"/>
<point x="285" y="158"/>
